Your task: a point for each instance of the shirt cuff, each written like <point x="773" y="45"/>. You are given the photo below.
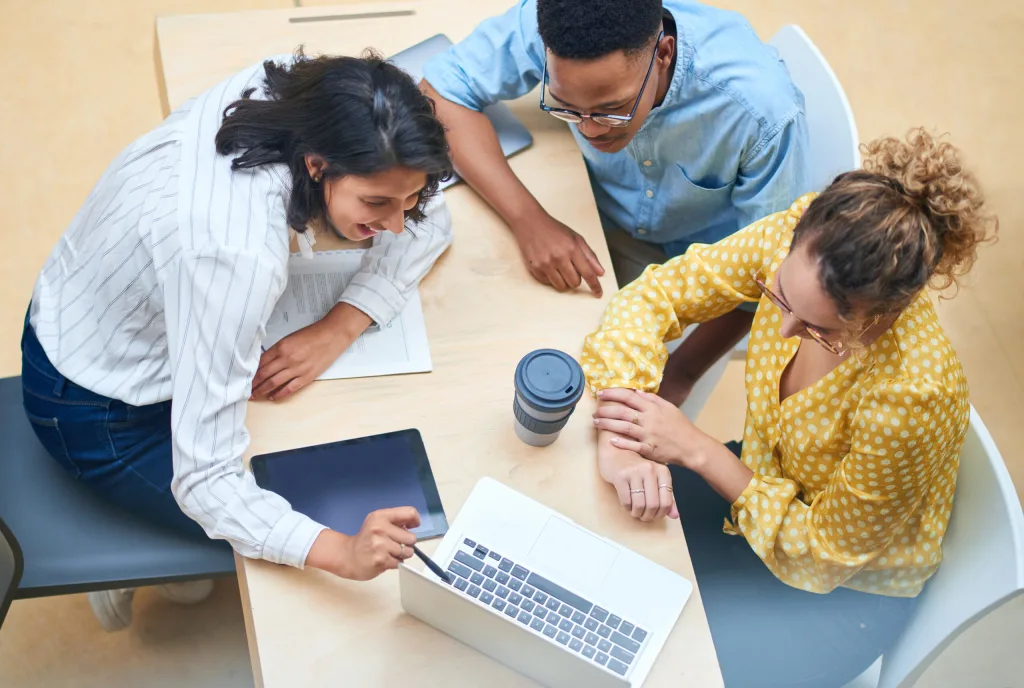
<point x="378" y="298"/>
<point x="741" y="502"/>
<point x="290" y="539"/>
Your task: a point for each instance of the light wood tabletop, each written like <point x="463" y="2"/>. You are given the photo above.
<point x="483" y="313"/>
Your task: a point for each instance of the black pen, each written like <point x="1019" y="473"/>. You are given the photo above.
<point x="441" y="573"/>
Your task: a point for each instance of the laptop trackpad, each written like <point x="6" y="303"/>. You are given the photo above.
<point x="571" y="556"/>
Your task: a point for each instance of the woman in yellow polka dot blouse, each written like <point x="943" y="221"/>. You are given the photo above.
<point x="857" y="409"/>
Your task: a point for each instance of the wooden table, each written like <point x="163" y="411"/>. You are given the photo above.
<point x="483" y="312"/>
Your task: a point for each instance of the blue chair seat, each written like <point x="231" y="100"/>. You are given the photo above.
<point x="71" y="540"/>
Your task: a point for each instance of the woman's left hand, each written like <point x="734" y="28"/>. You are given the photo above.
<point x="302" y="356"/>
<point x="650" y="426"/>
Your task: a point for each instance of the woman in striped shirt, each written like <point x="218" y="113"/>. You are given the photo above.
<point x="142" y="345"/>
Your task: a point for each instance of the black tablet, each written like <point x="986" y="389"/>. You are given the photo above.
<point x="339" y="484"/>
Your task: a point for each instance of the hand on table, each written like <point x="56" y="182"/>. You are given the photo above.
<point x="376" y="548"/>
<point x="556" y="255"/>
<point x="301" y="357"/>
<point x="644" y="487"/>
<point x="650" y="426"/>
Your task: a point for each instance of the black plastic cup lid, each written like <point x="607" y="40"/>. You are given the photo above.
<point x="549" y="380"/>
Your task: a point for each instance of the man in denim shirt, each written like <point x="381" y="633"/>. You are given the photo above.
<point x="690" y="127"/>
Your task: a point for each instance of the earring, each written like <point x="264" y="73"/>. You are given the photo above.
<point x="316" y="179"/>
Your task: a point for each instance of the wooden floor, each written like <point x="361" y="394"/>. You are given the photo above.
<point x="82" y="84"/>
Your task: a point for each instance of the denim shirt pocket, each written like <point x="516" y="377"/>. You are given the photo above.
<point x="703" y="206"/>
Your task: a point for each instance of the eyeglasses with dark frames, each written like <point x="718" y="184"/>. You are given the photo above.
<point x="574" y="117"/>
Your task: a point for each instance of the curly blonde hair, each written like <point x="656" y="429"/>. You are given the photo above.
<point x="912" y="216"/>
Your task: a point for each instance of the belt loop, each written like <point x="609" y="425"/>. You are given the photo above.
<point x="58" y="387"/>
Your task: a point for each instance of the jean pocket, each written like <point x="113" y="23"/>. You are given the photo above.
<point x="49" y="434"/>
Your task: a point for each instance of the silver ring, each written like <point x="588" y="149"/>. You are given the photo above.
<point x="401" y="552"/>
<point x="666" y="487"/>
<point x="636" y="491"/>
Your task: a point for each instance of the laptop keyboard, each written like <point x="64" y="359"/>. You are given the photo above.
<point x="545" y="607"/>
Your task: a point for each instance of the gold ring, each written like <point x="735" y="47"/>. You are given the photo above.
<point x="636" y="418"/>
<point x="667" y="487"/>
<point x="401" y="552"/>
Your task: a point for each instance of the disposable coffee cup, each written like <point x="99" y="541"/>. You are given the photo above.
<point x="549" y="383"/>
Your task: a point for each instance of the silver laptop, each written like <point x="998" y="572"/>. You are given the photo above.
<point x="544" y="596"/>
<point x="512" y="135"/>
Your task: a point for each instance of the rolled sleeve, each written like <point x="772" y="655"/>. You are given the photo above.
<point x="502" y="59"/>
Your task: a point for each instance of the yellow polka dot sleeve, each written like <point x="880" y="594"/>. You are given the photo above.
<point x="707" y="281"/>
<point x="905" y="445"/>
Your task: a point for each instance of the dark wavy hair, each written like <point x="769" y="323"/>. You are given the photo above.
<point x="361" y="115"/>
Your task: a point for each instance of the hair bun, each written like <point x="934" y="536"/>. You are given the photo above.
<point x="931" y="175"/>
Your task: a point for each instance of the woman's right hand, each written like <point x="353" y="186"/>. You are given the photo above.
<point x="376" y="548"/>
<point x="628" y="471"/>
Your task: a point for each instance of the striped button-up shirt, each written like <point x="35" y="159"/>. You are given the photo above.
<point x="161" y="289"/>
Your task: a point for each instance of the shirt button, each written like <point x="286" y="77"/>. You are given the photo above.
<point x="650" y="194"/>
<point x="647" y="163"/>
<point x="641" y="230"/>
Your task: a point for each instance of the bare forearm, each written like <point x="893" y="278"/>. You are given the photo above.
<point x="726" y="474"/>
<point x="476" y="152"/>
<point x="347" y="321"/>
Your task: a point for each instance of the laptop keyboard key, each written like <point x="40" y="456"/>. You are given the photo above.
<point x="502" y="577"/>
<point x="553" y="604"/>
<point x="578" y="617"/>
<point x="604" y="645"/>
<point x="621" y="655"/>
<point x="550" y="631"/>
<point x="469" y="561"/>
<point x="459" y="570"/>
<point x="528" y="605"/>
<point x="515" y="598"/>
<point x="617" y="666"/>
<point x="602" y="630"/>
<point x="625" y="643"/>
<point x="565" y="625"/>
<point x="491" y="586"/>
<point x="473" y="591"/>
<point x="502" y="592"/>
<point x="489" y="571"/>
<point x="524" y="617"/>
<point x="613" y="621"/>
<point x="591" y="623"/>
<point x="578" y="632"/>
<point x="515" y="584"/>
<point x="480" y="552"/>
<point x="563" y="637"/>
<point x="601" y="658"/>
<point x="539" y="597"/>
<point x="558" y="591"/>
<point x="599" y="614"/>
<point x="592" y="639"/>
<point x="498" y="604"/>
<point x="520" y="573"/>
<point x="528" y="590"/>
<point x="461" y="584"/>
<point x="565" y="611"/>
<point x="540" y="612"/>
<point x="505" y="565"/>
<point x="495" y="556"/>
<point x="626" y="628"/>
<point x="554" y="618"/>
<point x="470" y="543"/>
<point x="477" y="579"/>
<point x="639" y="635"/>
<point x="486" y="597"/>
<point x="511" y="611"/>
<point x="588" y="651"/>
<point x="575" y="645"/>
<point x="537" y="624"/>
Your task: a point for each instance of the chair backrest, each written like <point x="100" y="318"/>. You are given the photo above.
<point x="830" y="124"/>
<point x="11" y="566"/>
<point x="982" y="561"/>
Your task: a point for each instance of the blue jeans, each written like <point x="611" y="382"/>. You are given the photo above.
<point x="766" y="633"/>
<point x="121" y="452"/>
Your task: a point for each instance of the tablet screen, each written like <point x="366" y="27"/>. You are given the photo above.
<point x="339" y="484"/>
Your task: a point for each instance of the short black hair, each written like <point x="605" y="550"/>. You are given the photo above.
<point x="588" y="29"/>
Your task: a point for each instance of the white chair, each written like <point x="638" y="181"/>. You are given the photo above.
<point x="833" y="149"/>
<point x="982" y="565"/>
